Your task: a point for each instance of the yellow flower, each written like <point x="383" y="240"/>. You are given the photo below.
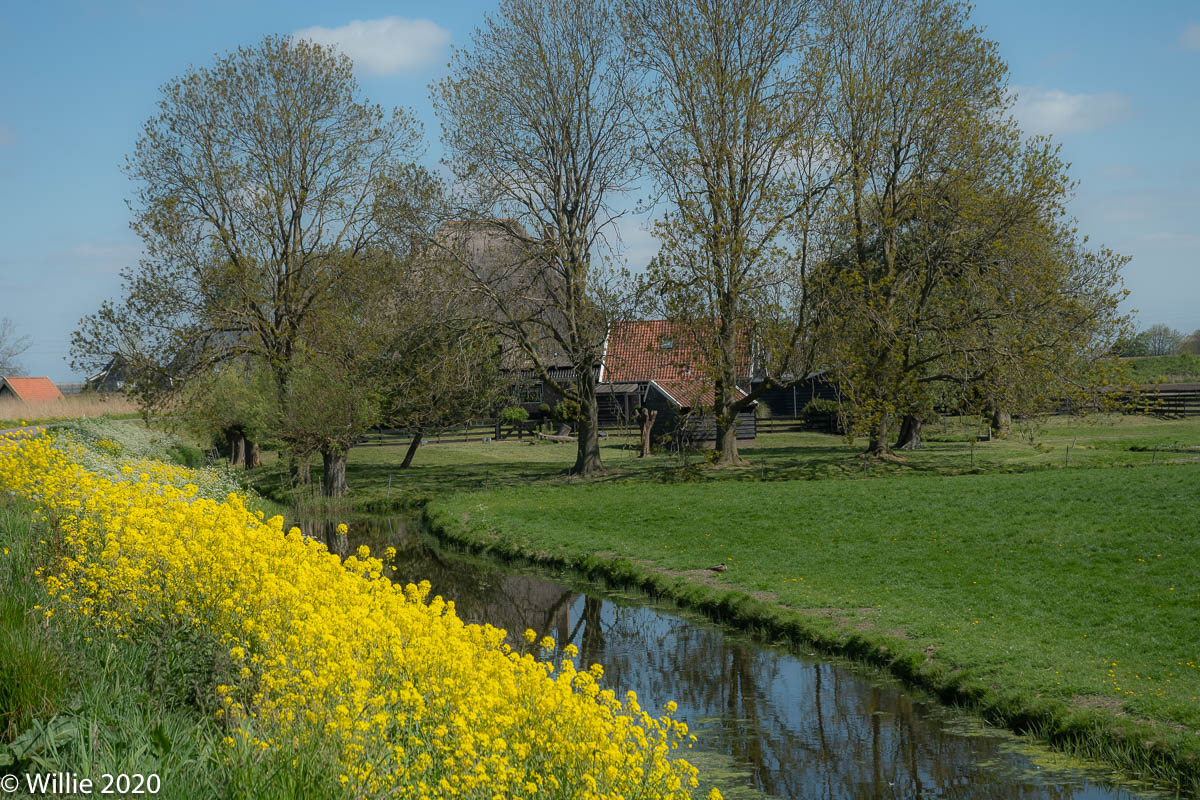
<point x="412" y="701"/>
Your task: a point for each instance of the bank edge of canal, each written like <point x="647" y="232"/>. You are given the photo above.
<point x="1145" y="750"/>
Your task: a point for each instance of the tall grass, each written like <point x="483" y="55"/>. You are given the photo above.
<point x="75" y="406"/>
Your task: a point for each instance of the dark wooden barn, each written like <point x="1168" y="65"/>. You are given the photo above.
<point x="789" y="402"/>
<point x="684" y="419"/>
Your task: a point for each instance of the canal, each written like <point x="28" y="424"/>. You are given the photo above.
<point x="770" y="724"/>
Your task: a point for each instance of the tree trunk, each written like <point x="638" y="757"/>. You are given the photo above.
<point x="727" y="448"/>
<point x="910" y="433"/>
<point x="412" y="449"/>
<point x="253" y="455"/>
<point x="878" y="444"/>
<point x="587" y="458"/>
<point x="1001" y="423"/>
<point x="300" y="470"/>
<point x="237" y="447"/>
<point x="334" y="479"/>
<point x="647" y="418"/>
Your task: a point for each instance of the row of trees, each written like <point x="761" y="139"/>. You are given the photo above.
<point x="1158" y="340"/>
<point x="838" y="185"/>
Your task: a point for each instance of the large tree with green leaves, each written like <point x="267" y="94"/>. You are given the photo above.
<point x="259" y="183"/>
<point x="538" y="130"/>
<point x="729" y="114"/>
<point x="959" y="265"/>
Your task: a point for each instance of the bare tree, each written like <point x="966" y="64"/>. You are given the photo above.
<point x="11" y="348"/>
<point x="537" y="126"/>
<point x="730" y="133"/>
<point x="1162" y="340"/>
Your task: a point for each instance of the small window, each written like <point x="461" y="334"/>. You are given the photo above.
<point x="667" y="344"/>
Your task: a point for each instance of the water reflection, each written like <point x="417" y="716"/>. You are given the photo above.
<point x="774" y="724"/>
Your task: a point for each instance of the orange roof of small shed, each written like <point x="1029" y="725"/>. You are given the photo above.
<point x="33" y="390"/>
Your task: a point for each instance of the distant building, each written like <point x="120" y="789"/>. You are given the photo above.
<point x="29" y="390"/>
<point x="110" y="378"/>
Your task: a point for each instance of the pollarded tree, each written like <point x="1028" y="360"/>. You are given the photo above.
<point x="731" y="135"/>
<point x="538" y="130"/>
<point x="234" y="405"/>
<point x="259" y="184"/>
<point x="440" y="364"/>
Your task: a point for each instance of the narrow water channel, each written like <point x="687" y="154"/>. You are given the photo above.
<point x="770" y="724"/>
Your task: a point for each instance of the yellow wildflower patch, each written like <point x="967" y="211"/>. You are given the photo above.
<point x="415" y="701"/>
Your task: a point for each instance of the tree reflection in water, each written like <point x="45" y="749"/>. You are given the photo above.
<point x="797" y="728"/>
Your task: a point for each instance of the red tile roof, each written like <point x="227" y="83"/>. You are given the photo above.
<point x="636" y="353"/>
<point x="32" y="390"/>
<point x="661" y="351"/>
<point x="695" y="391"/>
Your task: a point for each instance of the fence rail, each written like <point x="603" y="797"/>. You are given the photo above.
<point x="1166" y="400"/>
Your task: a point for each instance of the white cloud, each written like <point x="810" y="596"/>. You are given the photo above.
<point x="1054" y="111"/>
<point x="7" y="136"/>
<point x="384" y="46"/>
<point x="1191" y="37"/>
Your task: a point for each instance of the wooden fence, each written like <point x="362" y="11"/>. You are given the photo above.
<point x="1166" y="400"/>
<point x="475" y="431"/>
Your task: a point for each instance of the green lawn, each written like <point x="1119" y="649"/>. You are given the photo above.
<point x="376" y="483"/>
<point x="1077" y="584"/>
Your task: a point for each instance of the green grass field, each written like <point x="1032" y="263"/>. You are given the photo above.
<point x="1101" y="440"/>
<point x="1076" y="584"/>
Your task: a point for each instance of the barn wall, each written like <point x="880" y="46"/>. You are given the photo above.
<point x="699" y="430"/>
<point x="790" y="402"/>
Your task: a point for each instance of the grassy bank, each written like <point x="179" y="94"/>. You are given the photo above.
<point x="1164" y="369"/>
<point x="1060" y="602"/>
<point x="86" y="699"/>
<point x="306" y="674"/>
<point x="76" y="698"/>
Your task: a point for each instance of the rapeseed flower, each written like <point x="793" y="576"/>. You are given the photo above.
<point x="415" y="702"/>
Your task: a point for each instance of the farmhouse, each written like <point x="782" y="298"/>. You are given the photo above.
<point x="29" y="390"/>
<point x="653" y="363"/>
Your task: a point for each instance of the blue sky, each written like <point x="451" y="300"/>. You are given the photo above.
<point x="1116" y="84"/>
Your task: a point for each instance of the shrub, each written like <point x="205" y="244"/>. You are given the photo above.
<point x="513" y="415"/>
<point x="820" y="407"/>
